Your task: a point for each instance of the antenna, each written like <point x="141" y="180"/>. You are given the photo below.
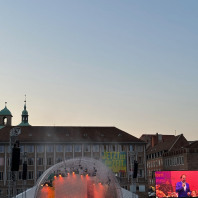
<point x="175" y="132"/>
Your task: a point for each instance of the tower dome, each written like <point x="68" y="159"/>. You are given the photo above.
<point x="5" y="116"/>
<point x="24" y="116"/>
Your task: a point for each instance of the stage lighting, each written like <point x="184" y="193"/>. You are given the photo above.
<point x="47" y="184"/>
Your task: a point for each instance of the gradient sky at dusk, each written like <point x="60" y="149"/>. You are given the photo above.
<point x="129" y="64"/>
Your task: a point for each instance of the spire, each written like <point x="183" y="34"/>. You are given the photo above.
<point x="25" y="103"/>
<point x="5" y="104"/>
<point x="24" y="116"/>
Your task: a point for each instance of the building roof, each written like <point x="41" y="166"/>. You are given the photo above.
<point x="161" y="146"/>
<point x="24" y="124"/>
<point x="194" y="144"/>
<point x="5" y="112"/>
<point x="164" y="137"/>
<point x="70" y="134"/>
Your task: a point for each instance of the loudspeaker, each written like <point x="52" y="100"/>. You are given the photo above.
<point x="15" y="159"/>
<point x="24" y="174"/>
<point x="135" y="169"/>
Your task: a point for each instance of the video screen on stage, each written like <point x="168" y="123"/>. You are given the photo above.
<point x="176" y="183"/>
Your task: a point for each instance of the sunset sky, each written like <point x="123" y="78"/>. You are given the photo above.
<point x="130" y="64"/>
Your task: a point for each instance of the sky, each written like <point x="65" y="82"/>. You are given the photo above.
<point x="130" y="64"/>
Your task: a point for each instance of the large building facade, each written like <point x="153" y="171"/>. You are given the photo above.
<point x="45" y="146"/>
<point x="169" y="153"/>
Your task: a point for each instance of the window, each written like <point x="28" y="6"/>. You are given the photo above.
<point x="9" y="175"/>
<point x="86" y="148"/>
<point x="112" y="148"/>
<point x="50" y="148"/>
<point x="140" y="148"/>
<point x="2" y="149"/>
<point x="104" y="148"/>
<point x="39" y="173"/>
<point x="131" y="148"/>
<point x="30" y="148"/>
<point x="40" y="149"/>
<point x="120" y="148"/>
<point x="1" y="161"/>
<point x="141" y="188"/>
<point x="96" y="148"/>
<point x="1" y="176"/>
<point x="77" y="148"/>
<point x="40" y="161"/>
<point x="49" y="161"/>
<point x="22" y="149"/>
<point x="20" y="175"/>
<point x="30" y="175"/>
<point x="140" y="160"/>
<point x="31" y="161"/>
<point x="141" y="173"/>
<point x="68" y="148"/>
<point x="59" y="148"/>
<point x="182" y="160"/>
<point x="59" y="159"/>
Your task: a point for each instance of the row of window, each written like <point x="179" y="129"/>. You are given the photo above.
<point x="30" y="175"/>
<point x="155" y="155"/>
<point x="77" y="148"/>
<point x="174" y="161"/>
<point x="155" y="163"/>
<point x="40" y="161"/>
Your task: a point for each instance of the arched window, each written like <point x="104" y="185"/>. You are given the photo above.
<point x="5" y="120"/>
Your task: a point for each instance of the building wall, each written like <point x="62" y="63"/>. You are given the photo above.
<point x="42" y="156"/>
<point x="155" y="164"/>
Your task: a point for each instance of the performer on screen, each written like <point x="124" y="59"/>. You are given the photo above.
<point x="183" y="188"/>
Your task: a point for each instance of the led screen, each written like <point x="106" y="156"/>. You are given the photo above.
<point x="176" y="183"/>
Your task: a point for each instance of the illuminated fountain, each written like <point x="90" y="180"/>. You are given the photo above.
<point x="78" y="178"/>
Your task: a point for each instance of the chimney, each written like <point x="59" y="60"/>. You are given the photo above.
<point x="154" y="140"/>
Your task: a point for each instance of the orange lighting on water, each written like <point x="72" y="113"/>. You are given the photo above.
<point x="54" y="176"/>
<point x="60" y="175"/>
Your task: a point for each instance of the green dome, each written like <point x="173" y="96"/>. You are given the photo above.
<point x="24" y="112"/>
<point x="5" y="112"/>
